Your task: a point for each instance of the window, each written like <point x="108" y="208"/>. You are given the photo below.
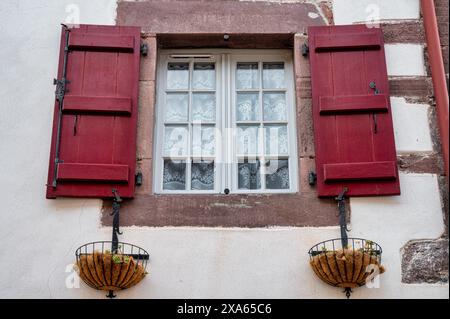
<point x="225" y="120"/>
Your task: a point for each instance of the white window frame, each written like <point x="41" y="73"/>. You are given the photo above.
<point x="225" y="60"/>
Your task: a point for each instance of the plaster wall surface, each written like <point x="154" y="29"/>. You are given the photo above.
<point x="348" y="12"/>
<point x="185" y="262"/>
<point x="405" y="59"/>
<point x="411" y="127"/>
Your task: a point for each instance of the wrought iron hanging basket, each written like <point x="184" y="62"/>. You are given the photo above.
<point x="346" y="262"/>
<point x="101" y="267"/>
<point x="346" y="266"/>
<point x="112" y="265"/>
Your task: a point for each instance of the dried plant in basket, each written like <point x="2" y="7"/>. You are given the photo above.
<point x="107" y="271"/>
<point x="346" y="268"/>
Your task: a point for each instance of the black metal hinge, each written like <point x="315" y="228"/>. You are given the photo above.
<point x="60" y="88"/>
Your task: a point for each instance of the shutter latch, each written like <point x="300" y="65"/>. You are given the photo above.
<point x="373" y="86"/>
<point x="138" y="179"/>
<point x="144" y="49"/>
<point x="312" y="178"/>
<point x="305" y="49"/>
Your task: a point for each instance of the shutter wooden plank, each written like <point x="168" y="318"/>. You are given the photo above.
<point x="86" y="41"/>
<point x="97" y="104"/>
<point x="352" y="125"/>
<point x="359" y="171"/>
<point x="352" y="103"/>
<point x="99" y="113"/>
<point x="93" y="172"/>
<point x="326" y="42"/>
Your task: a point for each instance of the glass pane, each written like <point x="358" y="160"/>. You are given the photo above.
<point x="277" y="174"/>
<point x="247" y="139"/>
<point x="203" y="107"/>
<point x="204" y="76"/>
<point x="176" y="107"/>
<point x="175" y="141"/>
<point x="274" y="106"/>
<point x="249" y="175"/>
<point x="276" y="139"/>
<point x="273" y="75"/>
<point x="174" y="175"/>
<point x="203" y="141"/>
<point x="247" y="75"/>
<point x="178" y="76"/>
<point x="247" y="107"/>
<point x="202" y="177"/>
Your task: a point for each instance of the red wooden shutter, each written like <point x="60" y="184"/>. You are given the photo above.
<point x="353" y="132"/>
<point x="99" y="113"/>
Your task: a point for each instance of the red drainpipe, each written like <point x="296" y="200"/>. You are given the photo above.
<point x="437" y="74"/>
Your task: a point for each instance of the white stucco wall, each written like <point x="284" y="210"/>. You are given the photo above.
<point x="411" y="127"/>
<point x="358" y="11"/>
<point x="39" y="236"/>
<point x="405" y="59"/>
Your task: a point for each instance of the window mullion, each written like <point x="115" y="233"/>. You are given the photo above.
<point x="229" y="126"/>
<point x="224" y="124"/>
<point x="261" y="129"/>
<point x="190" y="129"/>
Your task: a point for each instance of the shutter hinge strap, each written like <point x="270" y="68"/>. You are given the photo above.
<point x="59" y="94"/>
<point x="144" y="49"/>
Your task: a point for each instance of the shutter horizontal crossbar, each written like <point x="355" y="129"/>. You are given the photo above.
<point x="101" y="42"/>
<point x="360" y="171"/>
<point x="97" y="104"/>
<point x="348" y="41"/>
<point x="352" y="103"/>
<point x="93" y="172"/>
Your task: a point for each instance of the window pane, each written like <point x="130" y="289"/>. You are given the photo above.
<point x="203" y="140"/>
<point x="249" y="174"/>
<point x="277" y="174"/>
<point x="175" y="140"/>
<point x="274" y="106"/>
<point x="273" y="75"/>
<point x="174" y="175"/>
<point x="204" y="76"/>
<point x="247" y="75"/>
<point x="276" y="139"/>
<point x="202" y="176"/>
<point x="178" y="76"/>
<point x="247" y="139"/>
<point x="247" y="107"/>
<point x="176" y="107"/>
<point x="203" y="107"/>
